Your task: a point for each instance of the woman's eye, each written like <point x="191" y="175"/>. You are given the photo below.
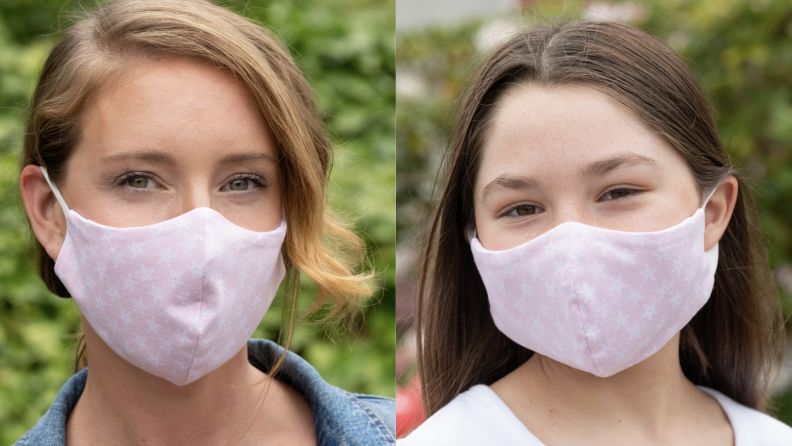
<point x="240" y="184"/>
<point x="245" y="184"/>
<point x="618" y="193"/>
<point x="524" y="210"/>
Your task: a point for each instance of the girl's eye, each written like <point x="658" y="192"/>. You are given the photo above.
<point x="523" y="210"/>
<point x="138" y="181"/>
<point x="615" y="194"/>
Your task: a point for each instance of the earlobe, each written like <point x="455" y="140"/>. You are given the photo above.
<point x="719" y="209"/>
<point x="46" y="217"/>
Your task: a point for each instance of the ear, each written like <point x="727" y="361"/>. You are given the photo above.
<point x="719" y="210"/>
<point x="469" y="232"/>
<point x="43" y="210"/>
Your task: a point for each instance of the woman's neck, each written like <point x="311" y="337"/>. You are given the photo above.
<point x="122" y="404"/>
<point x="650" y="403"/>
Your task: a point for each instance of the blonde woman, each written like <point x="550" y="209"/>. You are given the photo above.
<point x="174" y="173"/>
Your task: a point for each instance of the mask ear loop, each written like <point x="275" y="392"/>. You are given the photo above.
<point x="55" y="191"/>
<point x="712" y="254"/>
<point x="471" y="233"/>
<point x="709" y="196"/>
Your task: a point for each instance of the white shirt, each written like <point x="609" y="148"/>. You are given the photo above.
<point x="480" y="417"/>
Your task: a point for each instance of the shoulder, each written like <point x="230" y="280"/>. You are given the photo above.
<point x="51" y="428"/>
<point x="341" y="417"/>
<point x="751" y="427"/>
<point x="381" y="408"/>
<point x="475" y="417"/>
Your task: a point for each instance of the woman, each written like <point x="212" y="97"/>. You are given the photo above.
<point x="174" y="172"/>
<point x="594" y="272"/>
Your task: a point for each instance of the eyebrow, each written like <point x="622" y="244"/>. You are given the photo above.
<point x="164" y="157"/>
<point x="593" y="169"/>
<point x="505" y="181"/>
<point x="606" y="166"/>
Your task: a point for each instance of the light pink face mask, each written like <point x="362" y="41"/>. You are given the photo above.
<point x="596" y="299"/>
<point x="178" y="298"/>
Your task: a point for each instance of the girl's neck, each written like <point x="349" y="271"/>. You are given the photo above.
<point x="650" y="401"/>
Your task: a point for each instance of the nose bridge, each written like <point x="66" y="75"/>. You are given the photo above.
<point x="196" y="193"/>
<point x="571" y="209"/>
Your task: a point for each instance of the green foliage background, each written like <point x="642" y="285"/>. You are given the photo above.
<point x="740" y="50"/>
<point x="346" y="49"/>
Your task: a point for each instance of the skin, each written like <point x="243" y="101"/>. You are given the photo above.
<point x="155" y="143"/>
<point x="532" y="179"/>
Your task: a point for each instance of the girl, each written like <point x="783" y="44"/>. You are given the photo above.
<point x="174" y="173"/>
<point x="594" y="272"/>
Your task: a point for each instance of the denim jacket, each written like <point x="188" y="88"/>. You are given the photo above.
<point x="341" y="418"/>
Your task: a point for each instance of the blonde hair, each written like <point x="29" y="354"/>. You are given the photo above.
<point x="98" y="46"/>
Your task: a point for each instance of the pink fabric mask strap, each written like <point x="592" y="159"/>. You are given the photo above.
<point x="55" y="191"/>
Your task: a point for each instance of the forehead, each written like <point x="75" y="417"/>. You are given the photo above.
<point x="173" y="104"/>
<point x="556" y="131"/>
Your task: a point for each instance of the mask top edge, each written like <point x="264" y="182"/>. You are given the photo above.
<point x="474" y="242"/>
<point x="280" y="228"/>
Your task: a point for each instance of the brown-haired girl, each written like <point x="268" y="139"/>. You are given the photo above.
<point x="594" y="274"/>
<point x="174" y="173"/>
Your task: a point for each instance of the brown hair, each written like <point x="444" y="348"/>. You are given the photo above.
<point x="97" y="47"/>
<point x="733" y="341"/>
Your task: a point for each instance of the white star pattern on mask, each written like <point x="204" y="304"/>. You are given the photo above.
<point x="598" y="269"/>
<point x="648" y="273"/>
<point x="91" y="250"/>
<point x="678" y="265"/>
<point x="100" y="272"/>
<point x="136" y="249"/>
<point x="544" y="309"/>
<point x="520" y="306"/>
<point x="145" y="273"/>
<point x="617" y="285"/>
<point x="664" y="290"/>
<point x="635" y="296"/>
<point x="662" y="253"/>
<point x="517" y="321"/>
<point x="535" y="271"/>
<point x="174" y="279"/>
<point x="126" y="317"/>
<point x="620" y="320"/>
<point x="157" y="236"/>
<point x="586" y="292"/>
<point x="676" y="300"/>
<point x="607" y="308"/>
<point x="635" y="331"/>
<point x="649" y="311"/>
<point x="526" y="289"/>
<point x="537" y="324"/>
<point x="166" y="256"/>
<point x="189" y="243"/>
<point x="627" y="257"/>
<point x="117" y="258"/>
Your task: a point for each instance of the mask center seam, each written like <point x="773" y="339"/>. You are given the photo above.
<point x="200" y="306"/>
<point x="580" y="311"/>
